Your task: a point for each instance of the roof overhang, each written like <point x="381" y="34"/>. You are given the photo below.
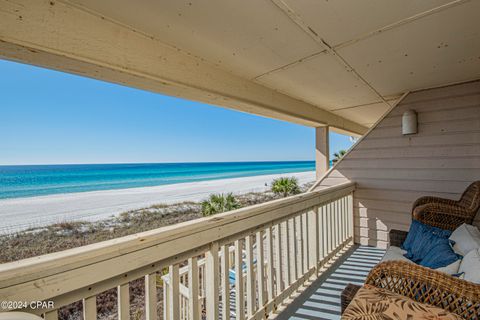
<point x="338" y="63"/>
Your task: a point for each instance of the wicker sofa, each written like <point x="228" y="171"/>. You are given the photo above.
<point x="423" y="284"/>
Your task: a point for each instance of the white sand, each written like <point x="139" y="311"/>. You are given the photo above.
<point x="22" y="213"/>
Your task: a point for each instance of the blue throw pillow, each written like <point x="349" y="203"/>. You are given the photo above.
<point x="412" y="233"/>
<point x="440" y="254"/>
<point x="420" y="239"/>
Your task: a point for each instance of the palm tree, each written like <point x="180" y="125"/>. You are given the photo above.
<point x="338" y="155"/>
<point x="285" y="186"/>
<point x="218" y="203"/>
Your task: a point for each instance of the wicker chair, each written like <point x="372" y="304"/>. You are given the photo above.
<point x="446" y="213"/>
<point x="423" y="285"/>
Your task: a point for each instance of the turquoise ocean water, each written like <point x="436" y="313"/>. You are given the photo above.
<point x="36" y="180"/>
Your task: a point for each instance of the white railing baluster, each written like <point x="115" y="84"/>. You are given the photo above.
<point x="193" y="307"/>
<point x="335" y="224"/>
<point x="250" y="275"/>
<point x="293" y="250"/>
<point x="313" y="238"/>
<point x="174" y="292"/>
<point x="299" y="245"/>
<point x="225" y="263"/>
<point x="279" y="281"/>
<point x="323" y="235"/>
<point x="239" y="294"/>
<point x="270" y="264"/>
<point x="351" y="216"/>
<point x="90" y="308"/>
<point x="260" y="270"/>
<point x="123" y="297"/>
<point x="287" y="255"/>
<point x="211" y="284"/>
<point x="305" y="240"/>
<point x="151" y="296"/>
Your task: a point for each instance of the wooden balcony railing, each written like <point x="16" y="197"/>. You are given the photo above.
<point x="213" y="263"/>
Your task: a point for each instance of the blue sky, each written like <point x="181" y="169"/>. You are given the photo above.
<point x="49" y="117"/>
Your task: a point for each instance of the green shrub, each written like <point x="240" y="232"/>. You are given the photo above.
<point x="218" y="203"/>
<point x="338" y="155"/>
<point x="285" y="186"/>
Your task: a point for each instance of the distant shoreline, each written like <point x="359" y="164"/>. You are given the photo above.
<point x="23" y="181"/>
<point x="23" y="213"/>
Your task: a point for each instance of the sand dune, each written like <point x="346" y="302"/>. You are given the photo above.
<point x="22" y="213"/>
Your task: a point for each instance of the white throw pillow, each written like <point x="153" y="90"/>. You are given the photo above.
<point x="471" y="266"/>
<point x="466" y="238"/>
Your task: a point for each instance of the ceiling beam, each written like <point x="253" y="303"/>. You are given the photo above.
<point x="58" y="35"/>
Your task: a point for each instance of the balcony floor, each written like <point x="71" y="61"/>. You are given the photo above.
<point x="322" y="299"/>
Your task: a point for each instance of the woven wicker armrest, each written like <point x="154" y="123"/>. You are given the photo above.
<point x="424" y="200"/>
<point x="347" y="295"/>
<point x="397" y="237"/>
<point x="443" y="216"/>
<point x="428" y="286"/>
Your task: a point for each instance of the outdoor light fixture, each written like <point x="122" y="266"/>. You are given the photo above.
<point x="409" y="122"/>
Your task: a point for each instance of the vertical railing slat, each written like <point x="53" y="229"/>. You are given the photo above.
<point x="212" y="273"/>
<point x="293" y="248"/>
<point x="306" y="240"/>
<point x="270" y="264"/>
<point x="299" y="243"/>
<point x="323" y="236"/>
<point x="193" y="307"/>
<point x="151" y="296"/>
<point x="279" y="259"/>
<point x="239" y="294"/>
<point x="90" y="308"/>
<point x="174" y="292"/>
<point x="225" y="263"/>
<point x="351" y="217"/>
<point x="260" y="270"/>
<point x="123" y="292"/>
<point x="286" y="255"/>
<point x="313" y="237"/>
<point x="250" y="276"/>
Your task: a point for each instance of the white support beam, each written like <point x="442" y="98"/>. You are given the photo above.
<point x="57" y="35"/>
<point x="322" y="151"/>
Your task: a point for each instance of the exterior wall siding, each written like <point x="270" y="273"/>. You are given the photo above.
<point x="392" y="170"/>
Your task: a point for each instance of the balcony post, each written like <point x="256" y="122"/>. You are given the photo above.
<point x="322" y="152"/>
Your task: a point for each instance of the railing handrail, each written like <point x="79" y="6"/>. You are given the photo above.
<point x="66" y="271"/>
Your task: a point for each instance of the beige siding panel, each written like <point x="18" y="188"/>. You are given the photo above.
<point x="392" y="170"/>
<point x="429" y="152"/>
<point x="419" y="163"/>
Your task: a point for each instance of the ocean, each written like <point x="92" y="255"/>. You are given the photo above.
<point x="37" y="180"/>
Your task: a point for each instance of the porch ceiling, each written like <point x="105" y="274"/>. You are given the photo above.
<point x="352" y="59"/>
<point x="394" y="46"/>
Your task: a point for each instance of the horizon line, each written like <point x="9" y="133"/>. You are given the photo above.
<point x="119" y="163"/>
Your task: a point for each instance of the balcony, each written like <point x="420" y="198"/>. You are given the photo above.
<point x="294" y="240"/>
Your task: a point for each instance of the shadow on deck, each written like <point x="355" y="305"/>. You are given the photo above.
<point x="321" y="300"/>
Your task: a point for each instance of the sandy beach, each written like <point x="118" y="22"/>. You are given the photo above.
<point x="23" y="213"/>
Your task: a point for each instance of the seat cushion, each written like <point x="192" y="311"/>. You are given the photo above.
<point x="466" y="238"/>
<point x="397" y="254"/>
<point x="375" y="303"/>
<point x="470" y="266"/>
